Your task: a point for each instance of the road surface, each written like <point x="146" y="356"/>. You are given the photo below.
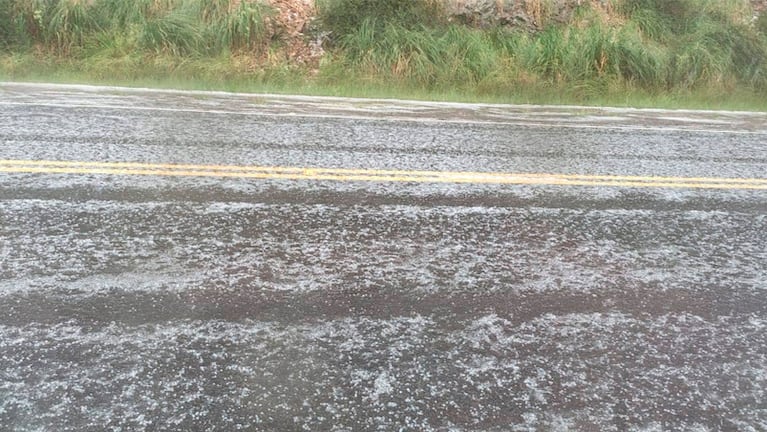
<point x="189" y="261"/>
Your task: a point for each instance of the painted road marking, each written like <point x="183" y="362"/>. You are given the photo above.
<point x="373" y="175"/>
<point x="511" y="115"/>
<point x="388" y="117"/>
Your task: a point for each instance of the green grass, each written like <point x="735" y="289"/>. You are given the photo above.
<point x="709" y="50"/>
<point x="243" y="27"/>
<point x="70" y="23"/>
<point x="233" y="74"/>
<point x="343" y="17"/>
<point x="670" y="53"/>
<point x="179" y="27"/>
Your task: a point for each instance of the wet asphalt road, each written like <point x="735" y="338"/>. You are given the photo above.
<point x="154" y="303"/>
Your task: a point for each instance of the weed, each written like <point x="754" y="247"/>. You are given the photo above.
<point x="761" y="24"/>
<point x="24" y="21"/>
<point x="176" y="33"/>
<point x="543" y="54"/>
<point x="6" y="24"/>
<point x="445" y="56"/>
<point x="640" y="61"/>
<point x="70" y="22"/>
<point x="122" y="13"/>
<point x="344" y="17"/>
<point x="242" y="27"/>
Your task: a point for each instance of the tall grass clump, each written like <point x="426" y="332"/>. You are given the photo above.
<point x="70" y="22"/>
<point x="177" y="33"/>
<point x="661" y="19"/>
<point x="428" y="57"/>
<point x="640" y="61"/>
<point x="592" y="57"/>
<point x="344" y="17"/>
<point x="124" y="13"/>
<point x="761" y="24"/>
<point x="208" y="26"/>
<point x="708" y="42"/>
<point x="6" y="24"/>
<point x="25" y="22"/>
<point x="176" y="27"/>
<point x="243" y="26"/>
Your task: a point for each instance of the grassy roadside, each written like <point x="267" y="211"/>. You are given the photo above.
<point x="225" y="74"/>
<point x="643" y="53"/>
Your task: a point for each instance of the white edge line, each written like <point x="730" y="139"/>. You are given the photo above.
<point x="389" y="118"/>
<point x="95" y="88"/>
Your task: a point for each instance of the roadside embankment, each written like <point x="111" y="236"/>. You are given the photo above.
<point x="672" y="53"/>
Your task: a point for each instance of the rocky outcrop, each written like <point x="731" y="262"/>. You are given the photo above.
<point x="292" y="19"/>
<point x="531" y="14"/>
<point x="294" y="15"/>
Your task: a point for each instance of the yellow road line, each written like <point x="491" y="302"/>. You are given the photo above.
<point x="366" y="172"/>
<point x="371" y="175"/>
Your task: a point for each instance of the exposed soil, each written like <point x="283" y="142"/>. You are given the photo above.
<point x="293" y="19"/>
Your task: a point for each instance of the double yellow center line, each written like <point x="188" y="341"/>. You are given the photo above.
<point x="372" y="175"/>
